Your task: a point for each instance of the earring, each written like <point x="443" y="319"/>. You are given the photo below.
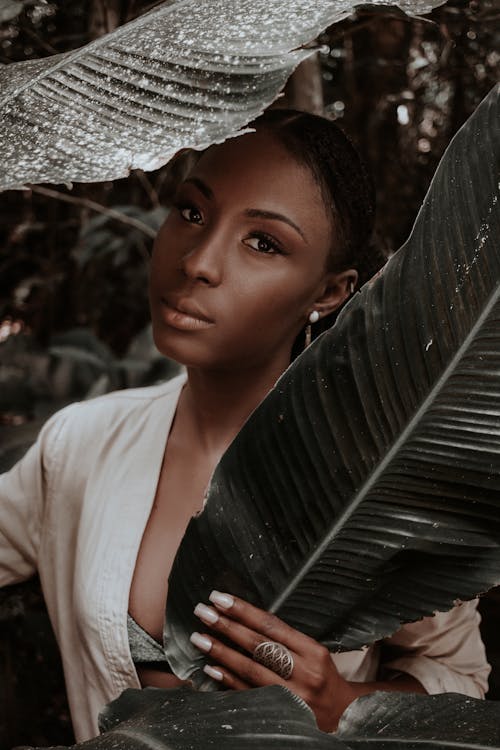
<point x="351" y="288"/>
<point x="313" y="318"/>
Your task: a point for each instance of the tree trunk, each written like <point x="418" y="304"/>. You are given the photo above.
<point x="304" y="89"/>
<point x="379" y="76"/>
<point x="105" y="16"/>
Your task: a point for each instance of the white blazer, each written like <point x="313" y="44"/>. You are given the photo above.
<point x="75" y="509"/>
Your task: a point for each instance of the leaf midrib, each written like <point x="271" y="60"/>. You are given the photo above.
<point x="391" y="454"/>
<point x="66" y="58"/>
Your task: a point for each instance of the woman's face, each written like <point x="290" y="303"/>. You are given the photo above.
<point x="240" y="261"/>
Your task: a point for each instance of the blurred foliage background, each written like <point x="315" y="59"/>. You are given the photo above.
<point x="73" y="263"/>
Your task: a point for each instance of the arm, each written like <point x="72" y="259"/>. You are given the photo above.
<point x="444" y="653"/>
<point x="23" y="492"/>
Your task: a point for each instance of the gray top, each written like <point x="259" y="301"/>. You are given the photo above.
<point x="143" y="647"/>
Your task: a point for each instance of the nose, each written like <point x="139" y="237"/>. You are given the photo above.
<point x="204" y="260"/>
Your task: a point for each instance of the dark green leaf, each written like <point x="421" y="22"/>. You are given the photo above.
<point x="364" y="491"/>
<point x="272" y="718"/>
<point x="266" y="719"/>
<point x="393" y="721"/>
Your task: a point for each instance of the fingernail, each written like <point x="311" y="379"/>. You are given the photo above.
<point x="221" y="600"/>
<point x="216" y="674"/>
<point x="201" y="641"/>
<point x="207" y="614"/>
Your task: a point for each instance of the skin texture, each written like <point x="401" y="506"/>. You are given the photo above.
<point x="230" y="289"/>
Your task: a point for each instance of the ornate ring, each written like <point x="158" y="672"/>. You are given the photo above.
<point x="275" y="657"/>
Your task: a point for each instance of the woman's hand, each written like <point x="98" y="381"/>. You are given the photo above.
<point x="314" y="676"/>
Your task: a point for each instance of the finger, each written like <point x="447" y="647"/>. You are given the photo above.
<point x="250" y="640"/>
<point x="263" y="622"/>
<point x="244" y="668"/>
<point x="235" y="631"/>
<point x="225" y="677"/>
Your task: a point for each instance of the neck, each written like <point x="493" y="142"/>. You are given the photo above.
<point x="216" y="403"/>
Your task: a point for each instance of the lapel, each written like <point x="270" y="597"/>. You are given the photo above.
<point x="127" y="496"/>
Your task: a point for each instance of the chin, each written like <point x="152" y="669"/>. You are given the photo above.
<point x="183" y="348"/>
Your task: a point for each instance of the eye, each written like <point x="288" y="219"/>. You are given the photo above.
<point x="264" y="244"/>
<point x="190" y="213"/>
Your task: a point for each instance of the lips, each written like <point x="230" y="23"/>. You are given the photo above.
<point x="184" y="314"/>
<point x="187" y="307"/>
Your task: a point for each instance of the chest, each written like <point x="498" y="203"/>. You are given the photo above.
<point x="179" y="496"/>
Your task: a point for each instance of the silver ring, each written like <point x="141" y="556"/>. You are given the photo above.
<point x="275" y="657"/>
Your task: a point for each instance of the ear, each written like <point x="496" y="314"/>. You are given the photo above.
<point x="337" y="287"/>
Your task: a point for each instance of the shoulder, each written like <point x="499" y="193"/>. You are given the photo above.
<point x="93" y="421"/>
<point x="131" y="399"/>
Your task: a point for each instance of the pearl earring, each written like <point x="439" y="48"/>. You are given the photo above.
<point x="313" y="318"/>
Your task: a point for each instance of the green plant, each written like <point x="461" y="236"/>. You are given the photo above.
<point x="154" y="86"/>
<point x="272" y="718"/>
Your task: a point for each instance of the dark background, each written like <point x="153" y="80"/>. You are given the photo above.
<point x="73" y="307"/>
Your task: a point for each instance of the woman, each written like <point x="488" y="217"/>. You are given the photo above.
<point x="268" y="234"/>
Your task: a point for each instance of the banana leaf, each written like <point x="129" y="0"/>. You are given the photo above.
<point x="272" y="718"/>
<point x="181" y="719"/>
<point x="395" y="721"/>
<point x="364" y="491"/>
<point x="186" y="74"/>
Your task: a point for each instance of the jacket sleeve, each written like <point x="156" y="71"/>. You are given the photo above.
<point x="444" y="653"/>
<point x="23" y="493"/>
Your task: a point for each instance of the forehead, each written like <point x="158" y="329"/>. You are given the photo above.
<point x="256" y="171"/>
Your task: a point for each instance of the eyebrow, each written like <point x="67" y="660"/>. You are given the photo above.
<point x="259" y="213"/>
<point x="202" y="187"/>
<point x="253" y="213"/>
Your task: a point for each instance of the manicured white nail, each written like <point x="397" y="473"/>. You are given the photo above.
<point x="221" y="600"/>
<point x="201" y="642"/>
<point x="215" y="674"/>
<point x="207" y="614"/>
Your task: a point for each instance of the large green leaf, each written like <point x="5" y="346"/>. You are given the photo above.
<point x="363" y="492"/>
<point x="186" y="74"/>
<point x="389" y="721"/>
<point x="272" y="718"/>
<point x="180" y="719"/>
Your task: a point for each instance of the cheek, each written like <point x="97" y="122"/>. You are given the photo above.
<point x="162" y="267"/>
<point x="163" y="247"/>
<point x="274" y="303"/>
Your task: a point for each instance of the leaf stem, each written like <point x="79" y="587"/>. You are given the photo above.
<point x="98" y="208"/>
